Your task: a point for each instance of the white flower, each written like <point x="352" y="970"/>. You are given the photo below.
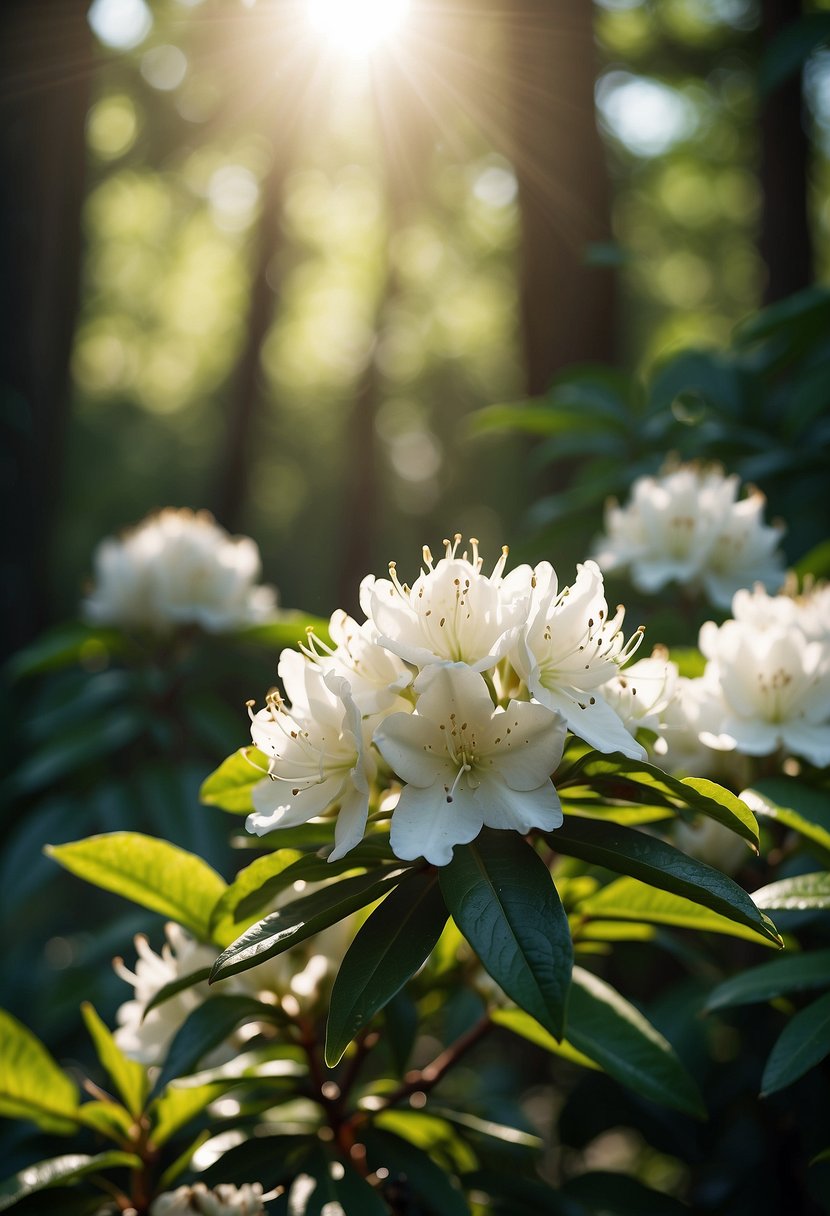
<point x="452" y="613"/>
<point x="687" y="526"/>
<point x="223" y="1200"/>
<point x="178" y="568"/>
<point x="769" y="689"/>
<point x="642" y="693"/>
<point x="147" y="1038"/>
<point x="678" y="747"/>
<point x="376" y="677"/>
<point x="317" y="756"/>
<point x="813" y="607"/>
<point x="571" y="648"/>
<point x="467" y="765"/>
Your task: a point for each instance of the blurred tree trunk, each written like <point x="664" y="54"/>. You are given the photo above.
<point x="785" y="231"/>
<point x="45" y="64"/>
<point x="567" y="306"/>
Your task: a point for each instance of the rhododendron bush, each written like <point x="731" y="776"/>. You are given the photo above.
<point x="465" y="825"/>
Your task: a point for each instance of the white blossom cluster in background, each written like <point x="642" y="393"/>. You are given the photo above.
<point x="689" y="526"/>
<point x="223" y="1200"/>
<point x="461" y="687"/>
<point x="178" y="567"/>
<point x="299" y="983"/>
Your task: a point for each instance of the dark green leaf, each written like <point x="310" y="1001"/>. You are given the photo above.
<point x="799" y="973"/>
<point x="255" y="886"/>
<point x="303" y="918"/>
<point x="208" y="1025"/>
<point x="410" y="1168"/>
<point x="60" y="1171"/>
<point x="513" y="1195"/>
<point x="332" y="1188"/>
<point x="796" y="806"/>
<point x="151" y="872"/>
<point x="64" y="645"/>
<point x="229" y="786"/>
<point x="610" y="1031"/>
<point x="401" y="1026"/>
<point x="129" y="1077"/>
<point x="503" y="900"/>
<point x="659" y="864"/>
<point x="804" y="1042"/>
<point x="613" y="1194"/>
<point x="390" y="946"/>
<point x="795" y="894"/>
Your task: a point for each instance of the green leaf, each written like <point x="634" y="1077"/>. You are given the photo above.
<point x="630" y="899"/>
<point x="286" y="630"/>
<point x="522" y="1024"/>
<point x="32" y="1086"/>
<point x="227" y="921"/>
<point x="388" y="949"/>
<point x="795" y="894"/>
<point x="107" y="1117"/>
<point x="174" y="987"/>
<point x="60" y="1171"/>
<point x="659" y="864"/>
<point x="302" y="918"/>
<point x="615" y="1035"/>
<point x="799" y="973"/>
<point x="208" y="1025"/>
<point x="175" y="1108"/>
<point x="796" y="806"/>
<point x="815" y="563"/>
<point x="150" y="872"/>
<point x="229" y="786"/>
<point x="804" y="1042"/>
<point x="632" y="781"/>
<point x="400" y="1016"/>
<point x="410" y="1164"/>
<point x="504" y="901"/>
<point x="614" y="1194"/>
<point x="66" y="644"/>
<point x="332" y="1188"/>
<point x="128" y="1076"/>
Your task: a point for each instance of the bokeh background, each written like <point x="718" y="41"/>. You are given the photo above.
<point x="270" y="256"/>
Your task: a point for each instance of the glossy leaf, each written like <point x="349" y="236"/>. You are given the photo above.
<point x="253" y="885"/>
<point x="804" y="1042"/>
<point x="388" y="949"/>
<point x="630" y="899"/>
<point x="208" y="1025"/>
<point x="615" y="1035"/>
<point x="151" y="872"/>
<point x="32" y="1086"/>
<point x="229" y="786"/>
<point x="522" y="1024"/>
<point x="797" y="973"/>
<point x="659" y="864"/>
<point x="796" y="894"/>
<point x="302" y="919"/>
<point x="128" y="1076"/>
<point x="412" y="1165"/>
<point x="796" y="806"/>
<point x="60" y="1171"/>
<point x="633" y="781"/>
<point x="503" y="899"/>
<point x="178" y="1105"/>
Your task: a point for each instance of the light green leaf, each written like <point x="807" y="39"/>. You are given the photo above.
<point x="227" y="919"/>
<point x="128" y="1076"/>
<point x="390" y="946"/>
<point x="175" y="1108"/>
<point x="794" y="894"/>
<point x="521" y="1023"/>
<point x="629" y="899"/>
<point x="229" y="786"/>
<point x="286" y="630"/>
<point x="660" y="865"/>
<point x="798" y="973"/>
<point x="623" y="781"/>
<point x="150" y="872"/>
<point x="60" y="1171"/>
<point x="304" y="917"/>
<point x="796" y="806"/>
<point x="804" y="1042"/>
<point x="504" y="901"/>
<point x="32" y="1086"/>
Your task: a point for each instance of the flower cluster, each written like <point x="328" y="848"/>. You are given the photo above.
<point x="178" y="567"/>
<point x="224" y="1200"/>
<point x="459" y="688"/>
<point x="689" y="526"/>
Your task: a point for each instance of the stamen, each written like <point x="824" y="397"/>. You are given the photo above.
<point x="465" y="768"/>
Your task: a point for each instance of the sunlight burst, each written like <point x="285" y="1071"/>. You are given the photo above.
<point x="358" y="27"/>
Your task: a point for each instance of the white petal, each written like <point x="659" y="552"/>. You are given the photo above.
<point x="350" y="823"/>
<point x="503" y="807"/>
<point x="425" y="825"/>
<point x="278" y="804"/>
<point x="597" y="724"/>
<point x="808" y="741"/>
<point x="413" y="747"/>
<point x="523" y="744"/>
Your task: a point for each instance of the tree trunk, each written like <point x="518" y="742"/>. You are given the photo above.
<point x="785" y="232"/>
<point x="45" y="64"/>
<point x="567" y="306"/>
